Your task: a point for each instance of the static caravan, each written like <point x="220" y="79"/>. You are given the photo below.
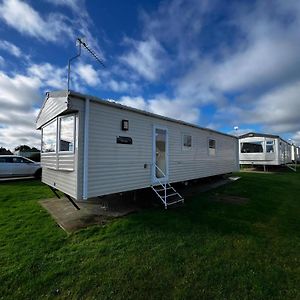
<point x="264" y="149"/>
<point x="93" y="147"/>
<point x="295" y="154"/>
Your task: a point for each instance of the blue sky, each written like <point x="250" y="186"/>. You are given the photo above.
<point x="215" y="63"/>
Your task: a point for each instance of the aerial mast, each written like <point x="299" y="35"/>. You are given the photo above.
<point x="81" y="43"/>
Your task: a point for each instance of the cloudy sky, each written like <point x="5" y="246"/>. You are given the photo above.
<point x="215" y="63"/>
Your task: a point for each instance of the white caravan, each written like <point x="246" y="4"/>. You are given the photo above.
<point x="264" y="149"/>
<point x="92" y="147"/>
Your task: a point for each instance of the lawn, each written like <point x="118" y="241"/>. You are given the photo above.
<point x="204" y="250"/>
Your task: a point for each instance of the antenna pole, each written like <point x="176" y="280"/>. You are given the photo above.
<point x="78" y="54"/>
<point x="69" y="62"/>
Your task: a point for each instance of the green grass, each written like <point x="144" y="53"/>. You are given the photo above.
<point x="205" y="250"/>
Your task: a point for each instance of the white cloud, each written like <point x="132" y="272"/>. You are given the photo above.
<point x="163" y="106"/>
<point x="10" y="48"/>
<point x="147" y="57"/>
<point x="136" y="102"/>
<point x="88" y="74"/>
<point x="178" y="24"/>
<point x="20" y="94"/>
<point x="121" y="86"/>
<point x="296" y="138"/>
<point x="19" y="91"/>
<point x="49" y="75"/>
<point x="25" y="19"/>
<point x="177" y="109"/>
<point x="266" y="60"/>
<point x="15" y="135"/>
<point x="279" y="109"/>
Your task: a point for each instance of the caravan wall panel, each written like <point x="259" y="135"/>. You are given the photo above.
<point x="116" y="167"/>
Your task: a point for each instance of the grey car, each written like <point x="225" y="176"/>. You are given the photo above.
<point x="14" y="165"/>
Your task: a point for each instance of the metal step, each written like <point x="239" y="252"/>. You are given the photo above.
<point x="161" y="189"/>
<point x="166" y="197"/>
<point x="170" y="195"/>
<point x="177" y="201"/>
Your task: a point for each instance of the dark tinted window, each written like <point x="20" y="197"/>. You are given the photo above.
<point x="5" y="159"/>
<point x="253" y="147"/>
<point x="211" y="147"/>
<point x="19" y="160"/>
<point x="187" y="141"/>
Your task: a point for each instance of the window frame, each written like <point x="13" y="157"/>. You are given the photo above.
<point x="59" y="132"/>
<point x="42" y="135"/>
<point x="208" y="152"/>
<point x="184" y="147"/>
<point x="273" y="144"/>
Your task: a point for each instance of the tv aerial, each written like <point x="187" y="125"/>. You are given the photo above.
<point x="81" y="43"/>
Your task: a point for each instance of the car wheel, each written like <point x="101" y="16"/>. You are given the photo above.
<point x="38" y="174"/>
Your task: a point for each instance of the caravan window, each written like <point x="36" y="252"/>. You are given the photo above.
<point x="212" y="147"/>
<point x="49" y="137"/>
<point x="66" y="136"/>
<point x="187" y="141"/>
<point x="270" y="146"/>
<point x="252" y="147"/>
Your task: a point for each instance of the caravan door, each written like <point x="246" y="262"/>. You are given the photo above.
<point x="160" y="171"/>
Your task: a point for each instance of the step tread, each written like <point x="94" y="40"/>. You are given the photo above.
<point x="159" y="190"/>
<point x="174" y="202"/>
<point x="173" y="194"/>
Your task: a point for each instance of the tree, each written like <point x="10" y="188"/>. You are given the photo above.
<point x="4" y="151"/>
<point x="23" y="148"/>
<point x="33" y="149"/>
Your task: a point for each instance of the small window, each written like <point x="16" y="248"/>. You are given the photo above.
<point x="66" y="139"/>
<point x="270" y="146"/>
<point x="49" y="137"/>
<point x="187" y="141"/>
<point x="212" y="147"/>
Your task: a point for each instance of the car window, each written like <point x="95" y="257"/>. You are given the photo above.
<point x="19" y="160"/>
<point x="5" y="159"/>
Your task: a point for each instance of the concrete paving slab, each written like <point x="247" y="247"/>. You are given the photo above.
<point x="70" y="219"/>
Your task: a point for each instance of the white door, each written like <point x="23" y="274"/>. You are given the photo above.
<point x="5" y="166"/>
<point x="160" y="170"/>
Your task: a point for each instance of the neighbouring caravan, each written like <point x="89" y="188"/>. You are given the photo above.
<point x="295" y="153"/>
<point x="264" y="149"/>
<point x="93" y="147"/>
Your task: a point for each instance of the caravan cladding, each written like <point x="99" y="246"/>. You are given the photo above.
<point x="116" y="148"/>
